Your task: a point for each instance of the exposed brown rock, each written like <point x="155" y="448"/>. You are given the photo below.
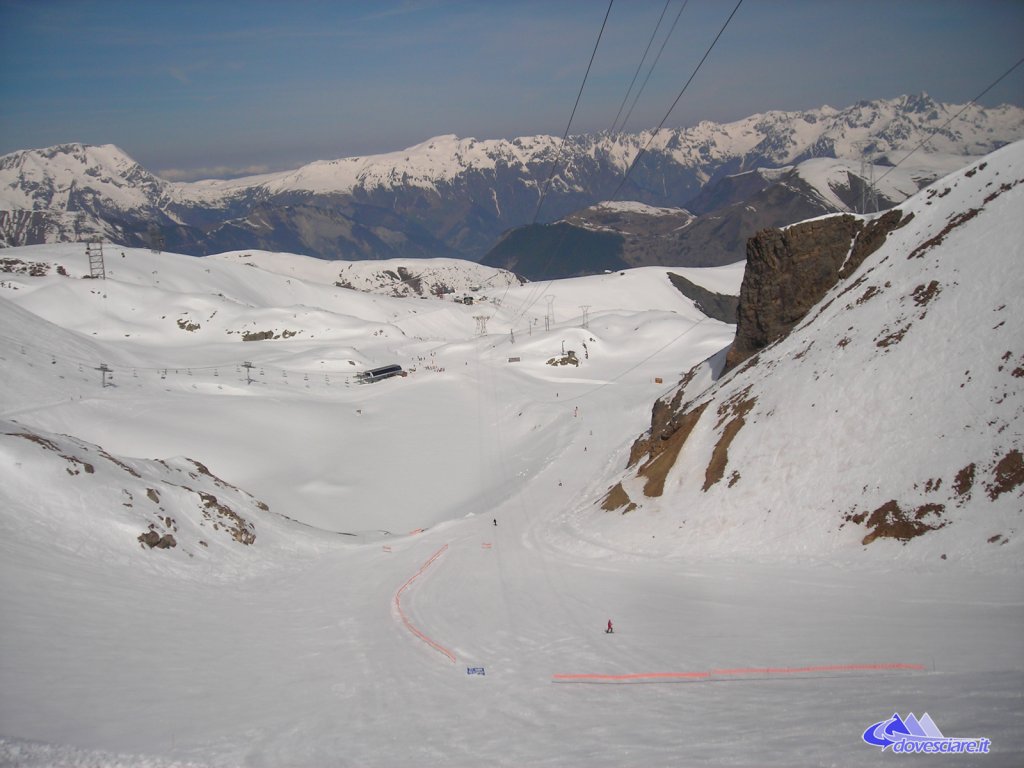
<point x="893" y="337"/>
<point x="664" y="421"/>
<point x="1008" y="474"/>
<point x="119" y="463"/>
<point x="30" y="268"/>
<point x="665" y="452"/>
<point x="50" y="445"/>
<point x="154" y="540"/>
<point x="870" y="293"/>
<point x="257" y="335"/>
<point x="739" y="408"/>
<point x="239" y="529"/>
<point x="871" y="238"/>
<point x="617" y="498"/>
<point x="925" y="293"/>
<point x="569" y="358"/>
<point x="954" y="222"/>
<point x="889" y="521"/>
<point x="789" y="271"/>
<point x="964" y="482"/>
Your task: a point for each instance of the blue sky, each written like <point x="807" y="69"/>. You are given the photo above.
<point x="216" y="88"/>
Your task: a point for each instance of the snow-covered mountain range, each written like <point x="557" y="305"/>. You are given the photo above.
<point x="218" y="548"/>
<point x="454" y="197"/>
<point x="715" y="226"/>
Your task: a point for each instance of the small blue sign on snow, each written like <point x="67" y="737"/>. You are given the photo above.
<point x="475" y="671"/>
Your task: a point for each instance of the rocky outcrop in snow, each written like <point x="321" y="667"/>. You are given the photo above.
<point x="885" y="388"/>
<point x="790" y="270"/>
<point x="175" y="504"/>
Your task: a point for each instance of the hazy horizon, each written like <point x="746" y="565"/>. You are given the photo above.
<point x="195" y="90"/>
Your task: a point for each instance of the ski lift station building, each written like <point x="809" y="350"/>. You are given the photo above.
<point x="378" y="374"/>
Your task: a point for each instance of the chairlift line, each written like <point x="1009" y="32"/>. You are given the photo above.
<point x="654" y="64"/>
<point x="531" y="298"/>
<point x="927" y="138"/>
<point x="676" y="101"/>
<point x="554" y="163"/>
<point x="639" y="66"/>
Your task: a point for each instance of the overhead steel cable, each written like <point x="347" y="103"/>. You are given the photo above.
<point x="669" y="112"/>
<point x="928" y="138"/>
<point x="554" y="163"/>
<point x="654" y="64"/>
<point x="639" y="66"/>
<point x="565" y="135"/>
<point x="536" y="213"/>
<point x="531" y="298"/>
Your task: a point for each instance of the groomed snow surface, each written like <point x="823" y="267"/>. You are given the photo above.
<point x="414" y="521"/>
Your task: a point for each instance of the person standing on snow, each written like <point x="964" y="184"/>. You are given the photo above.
<point x="609" y="630"/>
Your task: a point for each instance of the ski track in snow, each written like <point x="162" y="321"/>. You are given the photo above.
<point x="405" y="620"/>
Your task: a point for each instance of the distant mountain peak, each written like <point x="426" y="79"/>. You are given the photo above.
<point x="451" y="196"/>
<point x="920" y="103"/>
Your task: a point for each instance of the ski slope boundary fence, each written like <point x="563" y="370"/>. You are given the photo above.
<point x="405" y="619"/>
<point x="747" y="673"/>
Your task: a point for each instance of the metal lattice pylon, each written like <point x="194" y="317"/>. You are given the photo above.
<point x="868" y="194"/>
<point x="155" y="238"/>
<point x="94" y="250"/>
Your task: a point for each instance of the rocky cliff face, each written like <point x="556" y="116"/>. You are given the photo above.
<point x="790" y="270"/>
<point x="874" y="396"/>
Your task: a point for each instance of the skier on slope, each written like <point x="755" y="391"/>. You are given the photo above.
<point x="609" y="630"/>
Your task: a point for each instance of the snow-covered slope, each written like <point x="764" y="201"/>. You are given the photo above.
<point x="891" y="417"/>
<point x="176" y="506"/>
<point x="70" y="177"/>
<point x="165" y="322"/>
<point x="393" y="277"/>
<point x="470" y="486"/>
<point x="830" y="178"/>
